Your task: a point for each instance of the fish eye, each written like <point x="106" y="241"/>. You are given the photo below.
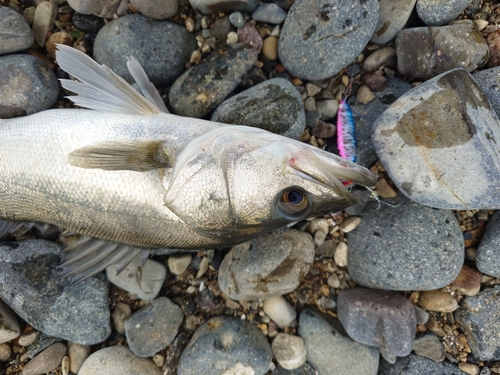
<point x="292" y="203"/>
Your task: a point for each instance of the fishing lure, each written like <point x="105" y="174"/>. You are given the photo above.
<point x="346" y="138"/>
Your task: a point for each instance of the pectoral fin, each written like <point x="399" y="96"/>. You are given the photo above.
<point x="137" y="156"/>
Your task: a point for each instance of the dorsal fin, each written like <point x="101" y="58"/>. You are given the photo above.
<point x="100" y="88"/>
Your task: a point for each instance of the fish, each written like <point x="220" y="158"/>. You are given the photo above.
<point x="130" y="178"/>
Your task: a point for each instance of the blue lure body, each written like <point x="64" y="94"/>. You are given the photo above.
<point x="346" y="137"/>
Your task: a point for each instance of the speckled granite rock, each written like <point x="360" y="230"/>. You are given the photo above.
<point x="393" y="16"/>
<point x="488" y="251"/>
<point x="489" y="82"/>
<point x="15" y="33"/>
<point x="435" y="13"/>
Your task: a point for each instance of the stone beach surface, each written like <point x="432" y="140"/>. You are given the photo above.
<point x="406" y="283"/>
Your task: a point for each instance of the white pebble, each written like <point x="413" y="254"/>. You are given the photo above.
<point x="203" y="267"/>
<point x="318" y="224"/>
<point x="65" y="365"/>
<point x="334" y="281"/>
<point x="28" y="338"/>
<point x="289" y="350"/>
<point x="279" y="310"/>
<point x="232" y="38"/>
<point x="5" y="352"/>
<point x="77" y="355"/>
<point x="340" y="256"/>
<point x="121" y="312"/>
<point x="178" y="263"/>
<point x="349" y="224"/>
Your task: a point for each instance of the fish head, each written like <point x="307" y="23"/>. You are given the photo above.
<point x="241" y="181"/>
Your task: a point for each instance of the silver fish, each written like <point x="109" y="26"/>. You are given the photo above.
<point x="130" y="177"/>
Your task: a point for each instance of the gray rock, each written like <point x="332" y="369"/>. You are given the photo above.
<point x="224" y="6"/>
<point x="489" y="82"/>
<point x="144" y="282"/>
<point x="425" y="52"/>
<point x="15" y="33"/>
<point x="163" y="53"/>
<point x="32" y="286"/>
<point x="428" y="345"/>
<point x="378" y="318"/>
<point x="480" y="317"/>
<point x="156" y="9"/>
<point x="46" y="361"/>
<point x="226" y="343"/>
<point x="271" y="265"/>
<point x="436" y="13"/>
<point x="393" y="16"/>
<point x="289" y="351"/>
<point x="202" y="88"/>
<point x="274" y="105"/>
<point x="320" y="38"/>
<point x="269" y="13"/>
<point x="154" y="327"/>
<point x="416" y="365"/>
<point x="43" y="21"/>
<point x="407" y="247"/>
<point x="9" y="327"/>
<point x="115" y="360"/>
<point x="306" y="369"/>
<point x="100" y="8"/>
<point x="41" y="343"/>
<point x="438" y="144"/>
<point x="488" y="251"/>
<point x="330" y="352"/>
<point x="236" y="19"/>
<point x="27" y="85"/>
<point x="383" y="57"/>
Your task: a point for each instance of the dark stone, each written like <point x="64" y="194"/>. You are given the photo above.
<point x="87" y="23"/>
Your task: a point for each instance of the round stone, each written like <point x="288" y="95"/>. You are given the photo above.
<point x="289" y="350"/>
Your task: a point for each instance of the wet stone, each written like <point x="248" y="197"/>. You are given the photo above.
<point x="46" y="361"/>
<point x="451" y="163"/>
<point x="156" y="9"/>
<point x="425" y="52"/>
<point x="274" y="105"/>
<point x="428" y="345"/>
<point x="224" y="6"/>
<point x="9" y="326"/>
<point x="223" y="344"/>
<point x="124" y="37"/>
<point x="393" y="16"/>
<point x="320" y="38"/>
<point x="15" y="33"/>
<point x="269" y="13"/>
<point x="32" y="286"/>
<point x="268" y="266"/>
<point x="202" y="88"/>
<point x="407" y="247"/>
<point x="378" y="318"/>
<point x="100" y="8"/>
<point x="87" y="23"/>
<point x="416" y="365"/>
<point x="480" y="317"/>
<point x="154" y="327"/>
<point x="435" y="13"/>
<point x="488" y="252"/>
<point x="332" y="353"/>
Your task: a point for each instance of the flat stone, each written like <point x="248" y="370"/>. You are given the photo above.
<point x="153" y="327"/>
<point x="406" y="247"/>
<point x="124" y="37"/>
<point x="435" y="13"/>
<point x="31" y="284"/>
<point x="9" y="326"/>
<point x="156" y="9"/>
<point x="224" y="6"/>
<point x="480" y="317"/>
<point x="100" y="8"/>
<point x="223" y="344"/>
<point x="488" y="252"/>
<point x="435" y="300"/>
<point x="383" y="57"/>
<point x="15" y="33"/>
<point x="416" y="365"/>
<point x="46" y="361"/>
<point x="274" y="105"/>
<point x="428" y="345"/>
<point x="206" y="85"/>
<point x="450" y="164"/>
<point x="378" y="318"/>
<point x="332" y="353"/>
<point x="268" y="266"/>
<point x="289" y="351"/>
<point x="393" y="17"/>
<point x="320" y="38"/>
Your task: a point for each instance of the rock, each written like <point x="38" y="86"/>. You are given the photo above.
<point x="15" y="33"/>
<point x="41" y="343"/>
<point x="407" y="247"/>
<point x="468" y="281"/>
<point x="9" y="327"/>
<point x="383" y="57"/>
<point x="88" y="23"/>
<point x="279" y="310"/>
<point x="27" y="85"/>
<point x="144" y="282"/>
<point x="421" y="314"/>
<point x="428" y="345"/>
<point x="154" y="327"/>
<point x="28" y="338"/>
<point x="268" y="266"/>
<point x="274" y="105"/>
<point x="45" y="15"/>
<point x="236" y="19"/>
<point x="480" y="317"/>
<point x="118" y="360"/>
<point x="469" y="368"/>
<point x="202" y="88"/>
<point x="224" y="6"/>
<point x="124" y="37"/>
<point x="60" y="37"/>
<point x="320" y="38"/>
<point x="100" y="8"/>
<point x="364" y="95"/>
<point x="224" y="344"/>
<point x="375" y="82"/>
<point x="488" y="252"/>
<point x="493" y="41"/>
<point x="5" y="352"/>
<point x="416" y="365"/>
<point x="46" y="361"/>
<point x="306" y="369"/>
<point x="384" y="190"/>
<point x="378" y="318"/>
<point x="327" y="108"/>
<point x="270" y="48"/>
<point x="269" y="13"/>
<point x="32" y="286"/>
<point x="455" y="158"/>
<point x="331" y="353"/>
<point x="289" y="350"/>
<point x="393" y="16"/>
<point x="489" y="82"/>
<point x="248" y="34"/>
<point x="77" y="355"/>
<point x="425" y="52"/>
<point x="121" y="312"/>
<point x="435" y="13"/>
<point x="323" y="130"/>
<point x="178" y="263"/>
<point x="435" y="300"/>
<point x="156" y="9"/>
<point x="220" y="28"/>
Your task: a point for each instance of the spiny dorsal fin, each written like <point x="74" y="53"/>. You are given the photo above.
<point x="99" y="87"/>
<point x="137" y="156"/>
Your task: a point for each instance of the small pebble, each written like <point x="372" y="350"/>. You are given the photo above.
<point x="60" y="37"/>
<point x="236" y="19"/>
<point x="65" y="365"/>
<point x="429" y="346"/>
<point x="270" y="48"/>
<point x="203" y="267"/>
<point x="349" y="224"/>
<point x="312" y="89"/>
<point x="232" y="38"/>
<point x="327" y="249"/>
<point x="5" y="352"/>
<point x="46" y="361"/>
<point x="45" y="15"/>
<point x="248" y="34"/>
<point x="327" y="108"/>
<point x="469" y="368"/>
<point x="341" y="254"/>
<point x="318" y="224"/>
<point x="159" y="359"/>
<point x="481" y="24"/>
<point x="364" y="95"/>
<point x="178" y="263"/>
<point x="77" y="355"/>
<point x="334" y="281"/>
<point x="319" y="237"/>
<point x="382" y="57"/>
<point x="121" y="312"/>
<point x="289" y="350"/>
<point x="421" y="314"/>
<point x="323" y="130"/>
<point x="435" y="300"/>
<point x="468" y="281"/>
<point x="9" y="327"/>
<point x="28" y="338"/>
<point x="269" y="13"/>
<point x="309" y="104"/>
<point x="385" y="190"/>
<point x="279" y="310"/>
<point x="376" y="82"/>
